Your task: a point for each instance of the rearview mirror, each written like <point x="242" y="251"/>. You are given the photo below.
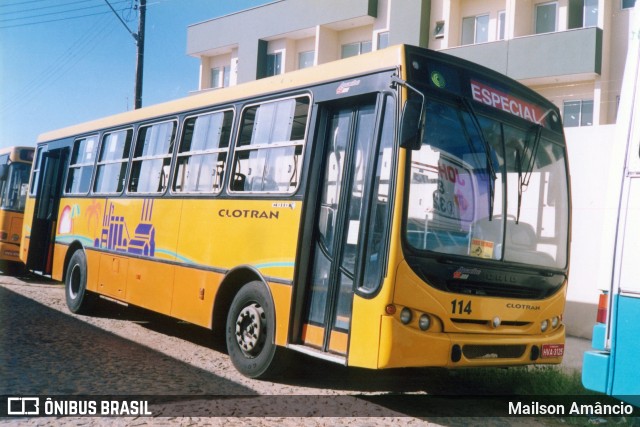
<point x="4" y="172"/>
<point x="412" y="124"/>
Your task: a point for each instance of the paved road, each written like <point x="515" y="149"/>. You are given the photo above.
<point x="120" y="350"/>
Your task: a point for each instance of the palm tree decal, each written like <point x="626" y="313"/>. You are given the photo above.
<point x="93" y="216"/>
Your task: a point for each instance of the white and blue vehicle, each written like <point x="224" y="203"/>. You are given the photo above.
<point x="611" y="367"/>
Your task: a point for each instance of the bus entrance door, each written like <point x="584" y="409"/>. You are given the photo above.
<point x="335" y="253"/>
<point x="49" y="190"/>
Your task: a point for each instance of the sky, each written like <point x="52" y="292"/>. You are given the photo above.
<point x="64" y="62"/>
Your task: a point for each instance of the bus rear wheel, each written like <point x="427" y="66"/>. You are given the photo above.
<point x="250" y="333"/>
<point x="79" y="299"/>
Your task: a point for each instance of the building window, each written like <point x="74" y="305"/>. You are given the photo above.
<point x="578" y="113"/>
<point x="628" y="4"/>
<point x="220" y="76"/>
<point x="502" y="20"/>
<point x="582" y="14"/>
<point x="306" y="59"/>
<point x="383" y="40"/>
<point x="274" y="64"/>
<point x="354" y="49"/>
<point x="438" y="32"/>
<point x="546" y="17"/>
<point x="590" y="13"/>
<point x="81" y="168"/>
<point x="475" y="29"/>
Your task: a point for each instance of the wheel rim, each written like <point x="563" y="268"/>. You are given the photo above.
<point x="74" y="282"/>
<point x="251" y="329"/>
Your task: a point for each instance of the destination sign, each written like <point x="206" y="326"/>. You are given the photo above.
<point x="505" y="102"/>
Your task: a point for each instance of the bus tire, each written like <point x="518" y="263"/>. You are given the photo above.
<point x="79" y="299"/>
<point x="250" y="333"/>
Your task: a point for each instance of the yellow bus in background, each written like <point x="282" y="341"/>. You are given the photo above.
<point x="399" y="208"/>
<point x="15" y="166"/>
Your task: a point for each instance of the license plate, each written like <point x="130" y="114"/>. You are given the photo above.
<point x="552" y="350"/>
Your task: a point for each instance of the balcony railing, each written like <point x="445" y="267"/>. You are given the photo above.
<point x="540" y="56"/>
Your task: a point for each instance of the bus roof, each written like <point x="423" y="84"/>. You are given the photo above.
<point x="336" y="70"/>
<point x="22" y="154"/>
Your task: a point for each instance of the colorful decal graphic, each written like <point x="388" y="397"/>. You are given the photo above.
<point x="64" y="225"/>
<point x="69" y="213"/>
<point x="115" y="234"/>
<point x="93" y="217"/>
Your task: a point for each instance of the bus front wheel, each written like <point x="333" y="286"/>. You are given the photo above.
<point x="79" y="300"/>
<point x="250" y="333"/>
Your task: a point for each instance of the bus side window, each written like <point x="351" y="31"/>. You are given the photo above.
<point x="202" y="155"/>
<point x="152" y="158"/>
<point x="269" y="150"/>
<point x="112" y="162"/>
<point x="81" y="167"/>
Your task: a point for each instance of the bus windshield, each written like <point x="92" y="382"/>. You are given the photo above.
<point x="13" y="187"/>
<point x="486" y="189"/>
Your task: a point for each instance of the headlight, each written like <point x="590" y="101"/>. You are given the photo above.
<point x="545" y="325"/>
<point x="424" y="322"/>
<point x="405" y="316"/>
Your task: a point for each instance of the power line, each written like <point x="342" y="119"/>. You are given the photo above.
<point x="82" y="47"/>
<point x="14" y="12"/>
<point x="41" y="15"/>
<point x="20" y="3"/>
<point x="53" y="20"/>
<point x="135" y="36"/>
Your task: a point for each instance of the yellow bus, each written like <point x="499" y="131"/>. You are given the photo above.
<point x="399" y="208"/>
<point x="15" y="165"/>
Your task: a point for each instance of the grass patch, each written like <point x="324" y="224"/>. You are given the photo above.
<point x="532" y="380"/>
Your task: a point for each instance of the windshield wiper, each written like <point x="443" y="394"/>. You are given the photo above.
<point x="487" y="151"/>
<point x="523" y="179"/>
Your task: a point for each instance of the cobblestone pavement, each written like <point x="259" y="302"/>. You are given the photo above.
<point x="119" y="350"/>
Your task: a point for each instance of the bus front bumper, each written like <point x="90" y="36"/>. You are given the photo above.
<point x="401" y="346"/>
<point x="9" y="252"/>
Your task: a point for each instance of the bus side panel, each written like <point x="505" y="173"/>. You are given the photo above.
<point x="626" y="348"/>
<point x="149" y="284"/>
<point x="59" y="254"/>
<point x="195" y="291"/>
<point x="130" y="235"/>
<point x="193" y="294"/>
<point x="26" y="228"/>
<point x="225" y="234"/>
<point x="282" y="301"/>
<point x="93" y="259"/>
<point x="221" y="235"/>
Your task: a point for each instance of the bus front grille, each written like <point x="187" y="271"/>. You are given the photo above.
<point x="514" y="323"/>
<point x="496" y="290"/>
<point x="476" y="351"/>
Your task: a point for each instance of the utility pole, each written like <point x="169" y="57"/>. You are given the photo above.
<point x="140" y="57"/>
<point x="139" y="38"/>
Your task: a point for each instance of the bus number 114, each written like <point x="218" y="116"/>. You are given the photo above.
<point x="460" y="307"/>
